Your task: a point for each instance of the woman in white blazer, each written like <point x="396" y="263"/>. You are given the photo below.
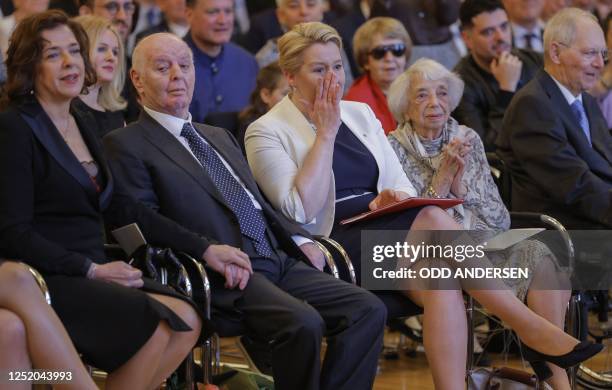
<point x="319" y="160"/>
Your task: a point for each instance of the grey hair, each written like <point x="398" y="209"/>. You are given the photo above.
<point x="562" y="27"/>
<point x="399" y="92"/>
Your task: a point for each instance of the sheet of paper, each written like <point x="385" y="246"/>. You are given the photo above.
<point x="508" y="238"/>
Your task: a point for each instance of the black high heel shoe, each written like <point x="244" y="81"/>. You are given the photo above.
<point x="581" y="352"/>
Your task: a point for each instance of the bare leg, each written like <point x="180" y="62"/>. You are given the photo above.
<point x="444" y="336"/>
<point x="49" y="345"/>
<point x="181" y="343"/>
<point x="552" y="305"/>
<point x="13" y="347"/>
<point x="162" y="353"/>
<point x="138" y="372"/>
<point x="534" y="330"/>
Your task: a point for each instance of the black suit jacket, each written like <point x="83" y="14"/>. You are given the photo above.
<point x="157" y="169"/>
<point x="264" y="26"/>
<point x="483" y="104"/>
<point x="427" y="21"/>
<point x="554" y="169"/>
<point x="50" y="209"/>
<point x="158" y="28"/>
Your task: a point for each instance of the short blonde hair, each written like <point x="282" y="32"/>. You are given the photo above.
<point x="110" y="94"/>
<point x="388" y="28"/>
<point x="399" y="96"/>
<point x="562" y="27"/>
<point x="293" y="43"/>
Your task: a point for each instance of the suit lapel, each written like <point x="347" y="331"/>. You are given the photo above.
<point x="565" y="111"/>
<point x="175" y="151"/>
<point x="48" y="135"/>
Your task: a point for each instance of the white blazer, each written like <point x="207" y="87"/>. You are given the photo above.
<point x="277" y="144"/>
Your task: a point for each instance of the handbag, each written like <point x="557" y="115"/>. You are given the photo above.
<point x="503" y="378"/>
<point x="153" y="262"/>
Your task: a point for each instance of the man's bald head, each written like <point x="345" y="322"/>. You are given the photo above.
<point x="163" y="74"/>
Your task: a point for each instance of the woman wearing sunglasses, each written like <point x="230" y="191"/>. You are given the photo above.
<point x="382" y="48"/>
<point x="320" y="160"/>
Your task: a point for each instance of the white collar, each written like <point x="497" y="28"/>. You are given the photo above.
<point x="567" y="94"/>
<point x="178" y="29"/>
<point x="169" y="122"/>
<point x="520" y="31"/>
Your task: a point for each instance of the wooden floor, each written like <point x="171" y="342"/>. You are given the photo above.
<point x="410" y="370"/>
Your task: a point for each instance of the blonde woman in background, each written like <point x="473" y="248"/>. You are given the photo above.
<point x="103" y="102"/>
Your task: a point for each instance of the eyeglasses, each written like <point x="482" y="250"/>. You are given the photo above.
<point x="397" y="49"/>
<point x="589" y="54"/>
<point x="113" y="7"/>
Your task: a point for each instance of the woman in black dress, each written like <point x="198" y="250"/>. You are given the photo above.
<point x="103" y="100"/>
<point x="54" y="186"/>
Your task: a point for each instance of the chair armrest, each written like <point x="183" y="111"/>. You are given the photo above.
<point x="528" y="219"/>
<point x="337" y="248"/>
<point x="200" y="285"/>
<point x="329" y="259"/>
<point x="41" y="283"/>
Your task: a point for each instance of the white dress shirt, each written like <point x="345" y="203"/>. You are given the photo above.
<point x="174" y="125"/>
<point x="567" y="94"/>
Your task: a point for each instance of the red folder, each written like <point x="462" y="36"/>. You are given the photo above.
<point x="403" y="205"/>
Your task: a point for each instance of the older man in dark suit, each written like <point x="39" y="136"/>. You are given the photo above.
<point x="195" y="175"/>
<point x="554" y="138"/>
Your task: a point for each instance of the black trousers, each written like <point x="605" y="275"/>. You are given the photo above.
<point x="293" y="306"/>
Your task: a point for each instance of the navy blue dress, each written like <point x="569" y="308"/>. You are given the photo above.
<point x="356" y="173"/>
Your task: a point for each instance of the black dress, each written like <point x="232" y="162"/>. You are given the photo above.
<point x="105" y="121"/>
<point x="51" y="213"/>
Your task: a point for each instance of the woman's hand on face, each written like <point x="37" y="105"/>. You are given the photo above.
<point x="119" y="272"/>
<point x="387" y="197"/>
<point x="324" y="111"/>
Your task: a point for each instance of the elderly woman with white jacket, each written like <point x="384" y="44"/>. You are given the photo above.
<point x="320" y="160"/>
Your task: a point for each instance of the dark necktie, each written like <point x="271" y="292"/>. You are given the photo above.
<point x="529" y="38"/>
<point x="251" y="220"/>
<point x="580" y="114"/>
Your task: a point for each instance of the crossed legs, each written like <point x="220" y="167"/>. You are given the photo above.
<point x="31" y="334"/>
<point x="445" y="325"/>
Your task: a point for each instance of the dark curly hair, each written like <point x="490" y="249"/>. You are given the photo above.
<point x="25" y="53"/>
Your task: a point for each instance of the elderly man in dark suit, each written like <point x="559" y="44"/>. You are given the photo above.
<point x="554" y="138"/>
<point x="195" y="175"/>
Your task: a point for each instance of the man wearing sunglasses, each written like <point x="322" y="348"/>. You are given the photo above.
<point x="492" y="71"/>
<point x="554" y="139"/>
